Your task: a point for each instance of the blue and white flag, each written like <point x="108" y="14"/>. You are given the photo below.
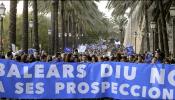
<point x="148" y="57"/>
<point x="117" y="43"/>
<point x="31" y="51"/>
<point x="81" y="48"/>
<point x="68" y="50"/>
<point x="129" y="50"/>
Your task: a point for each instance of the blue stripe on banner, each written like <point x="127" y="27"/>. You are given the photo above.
<point x="86" y="80"/>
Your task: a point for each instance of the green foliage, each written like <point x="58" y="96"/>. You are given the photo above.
<point x="42" y="29"/>
<point x="86" y="13"/>
<point x="44" y="22"/>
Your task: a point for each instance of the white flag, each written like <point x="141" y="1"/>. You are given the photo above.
<point x="81" y="48"/>
<point x="13" y="48"/>
<point x="117" y="43"/>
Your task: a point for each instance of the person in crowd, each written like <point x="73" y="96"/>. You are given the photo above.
<point x="159" y="55"/>
<point x="43" y="58"/>
<point x="84" y="58"/>
<point x="173" y="61"/>
<point x="69" y="58"/>
<point x="2" y="56"/>
<point x="31" y="58"/>
<point x="24" y="58"/>
<point x="76" y="58"/>
<point x="94" y="58"/>
<point x="58" y="57"/>
<point x="106" y="58"/>
<point x="89" y="59"/>
<point x="154" y="60"/>
<point x="123" y="58"/>
<point x="118" y="57"/>
<point x="37" y="58"/>
<point x="80" y="57"/>
<point x="75" y="52"/>
<point x="64" y="56"/>
<point x="9" y="55"/>
<point x="131" y="58"/>
<point x="18" y="58"/>
<point x="100" y="59"/>
<point x="139" y="59"/>
<point x="167" y="61"/>
<point x="49" y="58"/>
<point x="112" y="58"/>
<point x="91" y="56"/>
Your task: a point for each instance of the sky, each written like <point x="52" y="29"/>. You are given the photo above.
<point x="7" y="5"/>
<point x="101" y="6"/>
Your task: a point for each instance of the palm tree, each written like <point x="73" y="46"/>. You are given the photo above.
<point x="156" y="45"/>
<point x="35" y="28"/>
<point x="25" y="27"/>
<point x="73" y="30"/>
<point x="56" y="26"/>
<point x="142" y="13"/>
<point x="145" y="4"/>
<point x="121" y="22"/>
<point x="12" y="23"/>
<point x="66" y="28"/>
<point x="63" y="22"/>
<point x="69" y="30"/>
<point x="160" y="35"/>
<point x="53" y="27"/>
<point x="85" y="11"/>
<point x="164" y="29"/>
<point x="159" y="12"/>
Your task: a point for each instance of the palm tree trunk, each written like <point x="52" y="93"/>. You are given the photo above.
<point x="156" y="37"/>
<point x="66" y="30"/>
<point x="25" y="27"/>
<point x="12" y="23"/>
<point x="173" y="38"/>
<point x="63" y="23"/>
<point x="121" y="36"/>
<point x="77" y="35"/>
<point x="74" y="31"/>
<point x="53" y="27"/>
<point x="142" y="44"/>
<point x="164" y="29"/>
<point x="56" y="27"/>
<point x="70" y="31"/>
<point x="81" y="32"/>
<point x="147" y="26"/>
<point x="35" y="27"/>
<point x="161" y="41"/>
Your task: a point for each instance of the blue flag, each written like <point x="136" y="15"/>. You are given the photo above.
<point x="67" y="50"/>
<point x="31" y="51"/>
<point x="148" y="57"/>
<point x="129" y="50"/>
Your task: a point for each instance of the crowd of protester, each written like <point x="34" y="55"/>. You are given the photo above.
<point x="91" y="56"/>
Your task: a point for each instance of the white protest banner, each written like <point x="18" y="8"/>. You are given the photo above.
<point x="82" y="48"/>
<point x="13" y="48"/>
